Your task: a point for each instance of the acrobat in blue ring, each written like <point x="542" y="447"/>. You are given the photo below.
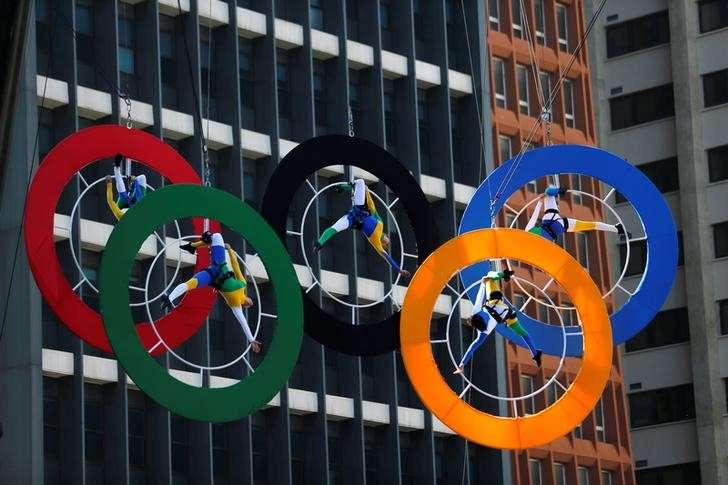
<point x="660" y="233"/>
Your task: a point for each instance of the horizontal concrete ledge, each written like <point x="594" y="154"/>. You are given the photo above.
<point x="51" y="93"/>
<point x="213" y="13"/>
<point x="102" y="370"/>
<point x="170" y="7"/>
<point x="324" y="45"/>
<point x="250" y="24"/>
<point x="288" y="34"/>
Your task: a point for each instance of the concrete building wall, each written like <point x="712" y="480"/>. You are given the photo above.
<point x="682" y="60"/>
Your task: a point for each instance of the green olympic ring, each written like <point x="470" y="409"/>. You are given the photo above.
<point x="203" y="404"/>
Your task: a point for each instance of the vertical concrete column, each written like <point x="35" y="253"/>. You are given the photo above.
<point x="709" y="398"/>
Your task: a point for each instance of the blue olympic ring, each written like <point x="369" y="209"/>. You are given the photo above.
<point x="662" y="247"/>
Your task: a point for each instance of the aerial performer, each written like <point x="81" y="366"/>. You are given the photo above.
<point x="231" y="284"/>
<point x="363" y="215"/>
<point x="552" y="225"/>
<point x="489" y="310"/>
<point x="127" y="198"/>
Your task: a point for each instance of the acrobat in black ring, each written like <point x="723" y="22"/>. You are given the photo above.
<point x="304" y="160"/>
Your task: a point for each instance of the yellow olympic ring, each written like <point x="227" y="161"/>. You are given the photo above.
<point x="475" y="425"/>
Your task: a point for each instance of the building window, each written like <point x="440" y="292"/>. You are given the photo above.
<point x="247" y="82"/>
<point x="137" y="440"/>
<point x="93" y="419"/>
<point x="723" y="316"/>
<point x="553" y="392"/>
<point x="667" y="328"/>
<point x="352" y="18"/>
<point x="540" y="21"/>
<point x="715" y="88"/>
<point x="168" y="61"/>
<point x="316" y="13"/>
<point x="494" y="14"/>
<point x="127" y="51"/>
<point x="562" y="20"/>
<point x="505" y="150"/>
<point x="298" y="450"/>
<point x="335" y="455"/>
<point x="642" y="107"/>
<point x="384" y="21"/>
<point x="637" y="34"/>
<point x="713" y="14"/>
<point x="582" y="249"/>
<point x="499" y="74"/>
<point x="517" y="19"/>
<point x="390" y="119"/>
<point x="659" y="406"/>
<point x="85" y="42"/>
<point x="599" y="420"/>
<point x="260" y="459"/>
<point x="662" y="173"/>
<point x="607" y="477"/>
<point x="529" y="404"/>
<point x="544" y="78"/>
<point x="207" y="74"/>
<point x="283" y="82"/>
<point x="220" y="453"/>
<point x="638" y="255"/>
<point x="423" y="125"/>
<point x="669" y="475"/>
<point x="579" y="431"/>
<point x="569" y="103"/>
<point x="319" y="97"/>
<point x="43" y="35"/>
<point x="582" y="475"/>
<point x="51" y="429"/>
<point x="370" y="452"/>
<point x="522" y="75"/>
<point x="718" y="163"/>
<point x="355" y="100"/>
<point x="180" y="459"/>
<point x="559" y="474"/>
<point x="720" y="239"/>
<point x="535" y="468"/>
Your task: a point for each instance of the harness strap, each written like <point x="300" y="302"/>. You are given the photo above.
<point x="496" y="316"/>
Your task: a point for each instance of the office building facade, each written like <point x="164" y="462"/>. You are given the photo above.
<point x="530" y="45"/>
<point x="659" y="74"/>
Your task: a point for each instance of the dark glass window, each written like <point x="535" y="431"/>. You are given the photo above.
<point x="540" y="14"/>
<point x="319" y="97"/>
<point x="260" y="459"/>
<point x="720" y="239"/>
<point x="493" y="14"/>
<point x="642" y="107"/>
<point x="670" y="475"/>
<point x="637" y="34"/>
<point x="715" y="88"/>
<point x="562" y="22"/>
<point x="316" y="13"/>
<point x="168" y="62"/>
<point x="45" y="131"/>
<point x="517" y="19"/>
<point x="247" y="82"/>
<point x="662" y="173"/>
<point x="43" y="35"/>
<point x="220" y="453"/>
<point x="137" y="438"/>
<point x="85" y="42"/>
<point x="51" y="419"/>
<point x="335" y="456"/>
<point x="638" y="255"/>
<point x="659" y="406"/>
<point x="127" y="50"/>
<point x="718" y="163"/>
<point x="668" y="327"/>
<point x="385" y="13"/>
<point x="499" y="78"/>
<point x="283" y="76"/>
<point x="207" y="74"/>
<point x="713" y="14"/>
<point x="298" y="450"/>
<point x="390" y="120"/>
<point x="93" y="416"/>
<point x="423" y="119"/>
<point x="355" y="100"/>
<point x="723" y="316"/>
<point x="180" y="458"/>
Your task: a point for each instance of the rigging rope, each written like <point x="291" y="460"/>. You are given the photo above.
<point x="552" y="96"/>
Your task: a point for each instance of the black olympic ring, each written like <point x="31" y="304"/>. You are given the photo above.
<point x="304" y="160"/>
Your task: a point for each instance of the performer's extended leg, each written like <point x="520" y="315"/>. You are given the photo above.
<point x="342" y="224"/>
<point x="360" y="192"/>
<point x="200" y="280"/>
<point x="518" y="328"/>
<point x="575" y="225"/>
<point x="479" y="340"/>
<point x="240" y="316"/>
<point x="119" y="180"/>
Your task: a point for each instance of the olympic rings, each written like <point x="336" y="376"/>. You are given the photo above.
<point x="308" y="157"/>
<point x="204" y="404"/>
<point x="475" y="425"/>
<point x="648" y="203"/>
<point x="62" y="162"/>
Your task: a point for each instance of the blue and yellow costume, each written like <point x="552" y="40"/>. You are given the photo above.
<point x="489" y="310"/>
<point x="127" y="198"/>
<point x="230" y="283"/>
<point x="363" y="215"/>
<point x="552" y="225"/>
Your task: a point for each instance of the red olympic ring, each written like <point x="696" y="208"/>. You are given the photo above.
<point x="57" y="169"/>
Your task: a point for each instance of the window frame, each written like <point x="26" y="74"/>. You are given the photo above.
<point x="500" y="98"/>
<point x="568" y="94"/>
<point x="562" y="41"/>
<point x="521" y="77"/>
<point x="494" y="21"/>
